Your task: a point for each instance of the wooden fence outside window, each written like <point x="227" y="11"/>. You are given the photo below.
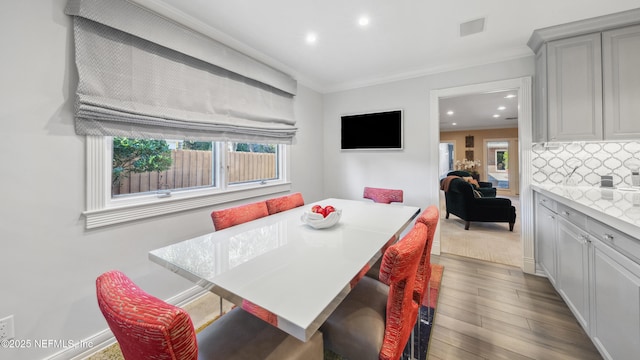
<point x="193" y="168"/>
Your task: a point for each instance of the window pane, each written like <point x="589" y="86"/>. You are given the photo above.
<point x="498" y="163"/>
<point x="447" y="157"/>
<point x="144" y="166"/>
<point x="252" y="162"/>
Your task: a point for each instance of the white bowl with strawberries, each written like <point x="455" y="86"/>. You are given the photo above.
<point x="321" y="217"/>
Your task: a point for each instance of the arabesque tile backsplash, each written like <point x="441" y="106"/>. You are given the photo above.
<point x="553" y="162"/>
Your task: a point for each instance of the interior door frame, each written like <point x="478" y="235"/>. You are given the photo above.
<point x="525" y="100"/>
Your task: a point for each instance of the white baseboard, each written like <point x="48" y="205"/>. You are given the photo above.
<point x="529" y="265"/>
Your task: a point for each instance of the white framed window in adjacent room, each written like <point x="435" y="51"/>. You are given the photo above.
<point x="129" y="179"/>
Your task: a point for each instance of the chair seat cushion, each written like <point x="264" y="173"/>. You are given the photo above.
<point x="240" y="335"/>
<point x="356" y="328"/>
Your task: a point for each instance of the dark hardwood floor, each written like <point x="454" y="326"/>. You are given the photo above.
<point x="492" y="311"/>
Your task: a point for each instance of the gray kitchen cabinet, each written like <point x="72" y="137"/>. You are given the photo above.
<point x="587" y="80"/>
<point x="615" y="327"/>
<point x="545" y="236"/>
<point x="615" y="292"/>
<point x="573" y="270"/>
<point x="539" y="131"/>
<point x="621" y="76"/>
<point x="597" y="273"/>
<point x="574" y="78"/>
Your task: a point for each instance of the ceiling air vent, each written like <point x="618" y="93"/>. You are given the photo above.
<point x="472" y="27"/>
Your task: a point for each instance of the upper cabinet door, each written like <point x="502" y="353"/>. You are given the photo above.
<point x="621" y="67"/>
<point x="575" y="88"/>
<point x="540" y="97"/>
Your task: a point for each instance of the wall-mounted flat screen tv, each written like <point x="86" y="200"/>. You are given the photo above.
<point x="372" y="131"/>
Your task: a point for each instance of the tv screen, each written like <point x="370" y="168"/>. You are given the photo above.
<point x="380" y="130"/>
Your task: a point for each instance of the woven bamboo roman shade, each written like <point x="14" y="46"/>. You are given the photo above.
<point x="142" y="75"/>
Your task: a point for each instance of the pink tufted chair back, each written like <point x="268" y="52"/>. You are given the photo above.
<point x="225" y="218"/>
<point x="385" y="196"/>
<point x="283" y="203"/>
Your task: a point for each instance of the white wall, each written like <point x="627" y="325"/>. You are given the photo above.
<point x="48" y="261"/>
<point x="415" y="169"/>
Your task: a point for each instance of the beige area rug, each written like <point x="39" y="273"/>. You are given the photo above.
<point x="485" y="241"/>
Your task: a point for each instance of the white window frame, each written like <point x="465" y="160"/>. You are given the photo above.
<point x="102" y="210"/>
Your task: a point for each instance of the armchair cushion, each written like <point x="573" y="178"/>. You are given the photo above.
<point x="488" y="191"/>
<point x="485" y="188"/>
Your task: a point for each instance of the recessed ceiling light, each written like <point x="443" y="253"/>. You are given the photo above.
<point x="510" y="96"/>
<point x="363" y="21"/>
<point x="501" y="108"/>
<point x="311" y="38"/>
<point x="454" y="124"/>
<point x="496" y="115"/>
<point x="450" y="112"/>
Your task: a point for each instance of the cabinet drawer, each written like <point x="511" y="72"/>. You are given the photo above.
<point x="615" y="239"/>
<point x="573" y="216"/>
<point x="546" y="202"/>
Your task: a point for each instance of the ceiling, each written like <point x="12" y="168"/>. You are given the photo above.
<point x="478" y="111"/>
<point x="404" y="38"/>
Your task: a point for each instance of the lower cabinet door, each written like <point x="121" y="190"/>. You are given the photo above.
<point x="546" y="241"/>
<point x="573" y="270"/>
<point x="615" y="327"/>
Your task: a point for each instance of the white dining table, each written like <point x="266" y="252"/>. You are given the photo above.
<point x="295" y="272"/>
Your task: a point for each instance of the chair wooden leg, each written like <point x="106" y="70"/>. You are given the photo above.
<point x="447" y="216"/>
<point x="466" y="225"/>
<point x="511" y="226"/>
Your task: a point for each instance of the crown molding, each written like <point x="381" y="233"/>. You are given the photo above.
<point x="581" y="27"/>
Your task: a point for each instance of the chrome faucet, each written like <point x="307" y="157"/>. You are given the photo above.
<point x="568" y="177"/>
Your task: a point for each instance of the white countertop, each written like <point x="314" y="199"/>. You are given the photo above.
<point x="618" y="208"/>
<point x="298" y="273"/>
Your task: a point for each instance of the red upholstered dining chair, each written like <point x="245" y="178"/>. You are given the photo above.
<point x="149" y="328"/>
<point x="376" y="319"/>
<point x="430" y="217"/>
<point x="283" y="203"/>
<point x="225" y="218"/>
<point x="385" y="196"/>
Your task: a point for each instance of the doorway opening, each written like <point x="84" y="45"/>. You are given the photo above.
<point x="502" y="165"/>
